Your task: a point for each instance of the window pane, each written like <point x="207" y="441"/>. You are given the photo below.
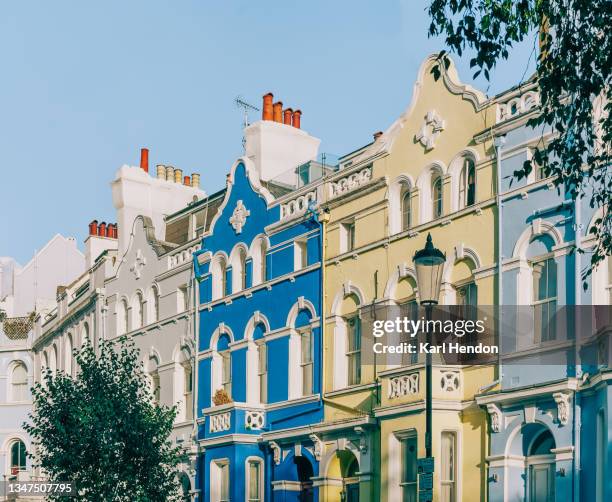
<point x="224" y="488"/>
<point x="409" y="469"/>
<point x="406" y="210"/>
<point x="254" y="489"/>
<point x="448" y="467"/>
<point x="262" y="369"/>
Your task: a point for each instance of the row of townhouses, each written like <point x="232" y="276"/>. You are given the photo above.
<point x="250" y="307"/>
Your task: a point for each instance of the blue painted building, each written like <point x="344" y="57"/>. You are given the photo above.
<point x="259" y="336"/>
<point x="550" y="428"/>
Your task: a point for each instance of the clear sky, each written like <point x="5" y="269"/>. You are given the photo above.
<point x="84" y="85"/>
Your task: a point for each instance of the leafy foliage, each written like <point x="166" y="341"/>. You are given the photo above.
<point x="574" y="78"/>
<point x="103" y="431"/>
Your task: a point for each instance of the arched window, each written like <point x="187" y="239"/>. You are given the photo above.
<point x="254" y="480"/>
<point x="436" y="196"/>
<point x="219" y="277"/>
<point x="85" y="335"/>
<point x="185" y="488"/>
<point x="221" y="370"/>
<point x="68" y="366"/>
<point x="260" y="253"/>
<point x="226" y="371"/>
<point x="238" y="270"/>
<point x="122" y="317"/>
<point x="467" y="183"/>
<point x="262" y="370"/>
<point x="544" y="273"/>
<point x="307" y="361"/>
<point x="155" y="386"/>
<point x="138" y="311"/>
<point x="53" y="359"/>
<point x="154" y="310"/>
<point x="18" y="457"/>
<point x="44" y="364"/>
<point x="406" y="207"/>
<point x="19" y="382"/>
<point x="353" y="353"/>
<point x="188" y="390"/>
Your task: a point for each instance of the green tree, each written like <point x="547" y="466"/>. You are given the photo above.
<point x="574" y="78"/>
<point x="103" y="431"/>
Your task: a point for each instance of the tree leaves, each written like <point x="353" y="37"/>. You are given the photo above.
<point x="103" y="431"/>
<point x="575" y="84"/>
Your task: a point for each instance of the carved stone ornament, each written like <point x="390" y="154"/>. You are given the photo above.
<point x="563" y="409"/>
<point x="496" y="417"/>
<point x="276" y="452"/>
<point x="239" y="217"/>
<point x="139" y="262"/>
<point x="430" y="130"/>
<point x="318" y="446"/>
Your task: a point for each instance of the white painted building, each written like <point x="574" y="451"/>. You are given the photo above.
<point x="26" y="292"/>
<point x="139" y="284"/>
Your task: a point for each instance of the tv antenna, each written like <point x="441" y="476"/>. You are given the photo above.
<point x="247" y="107"/>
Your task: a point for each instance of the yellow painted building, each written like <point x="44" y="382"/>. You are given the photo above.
<point x="424" y="174"/>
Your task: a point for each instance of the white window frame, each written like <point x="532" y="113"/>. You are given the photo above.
<point x="247" y="476"/>
<point x="19" y="390"/>
<point x="405" y="209"/>
<point x="217" y="469"/>
<point x="307" y="363"/>
<point x="543" y="259"/>
<point x="434" y="201"/>
<point x="352" y="355"/>
<point x="347" y="236"/>
<point x="454" y="483"/>
<point x="300" y="254"/>
<point x="262" y="373"/>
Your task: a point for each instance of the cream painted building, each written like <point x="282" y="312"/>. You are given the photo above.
<point x="424" y="174"/>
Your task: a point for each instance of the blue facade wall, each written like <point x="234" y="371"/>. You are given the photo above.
<point x="287" y="300"/>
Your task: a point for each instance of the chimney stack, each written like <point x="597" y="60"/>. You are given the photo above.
<point x="296" y="118"/>
<point x="267" y="112"/>
<point x="287" y="113"/>
<point x="278" y="112"/>
<point x="144" y="159"/>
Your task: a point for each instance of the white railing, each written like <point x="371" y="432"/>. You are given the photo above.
<point x="350" y="182"/>
<point x="404" y="385"/>
<point x="220" y="422"/>
<point x="517" y="106"/>
<point x="254" y="419"/>
<point x="182" y="256"/>
<point x="297" y="206"/>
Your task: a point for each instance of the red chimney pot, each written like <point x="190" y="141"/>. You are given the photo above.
<point x="297" y="118"/>
<point x="287" y="116"/>
<point x="144" y="159"/>
<point x="93" y="227"/>
<point x="267" y="112"/>
<point x="102" y="229"/>
<point x="187" y="181"/>
<point x="278" y="111"/>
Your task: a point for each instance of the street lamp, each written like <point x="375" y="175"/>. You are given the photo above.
<point x="429" y="263"/>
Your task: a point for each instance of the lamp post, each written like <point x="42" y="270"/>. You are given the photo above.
<point x="429" y="263"/>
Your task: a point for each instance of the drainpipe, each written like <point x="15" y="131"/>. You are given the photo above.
<point x="194" y="391"/>
<point x="500" y="141"/>
<point x="577" y="301"/>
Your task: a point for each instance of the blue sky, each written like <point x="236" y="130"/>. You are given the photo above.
<point x="85" y="84"/>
